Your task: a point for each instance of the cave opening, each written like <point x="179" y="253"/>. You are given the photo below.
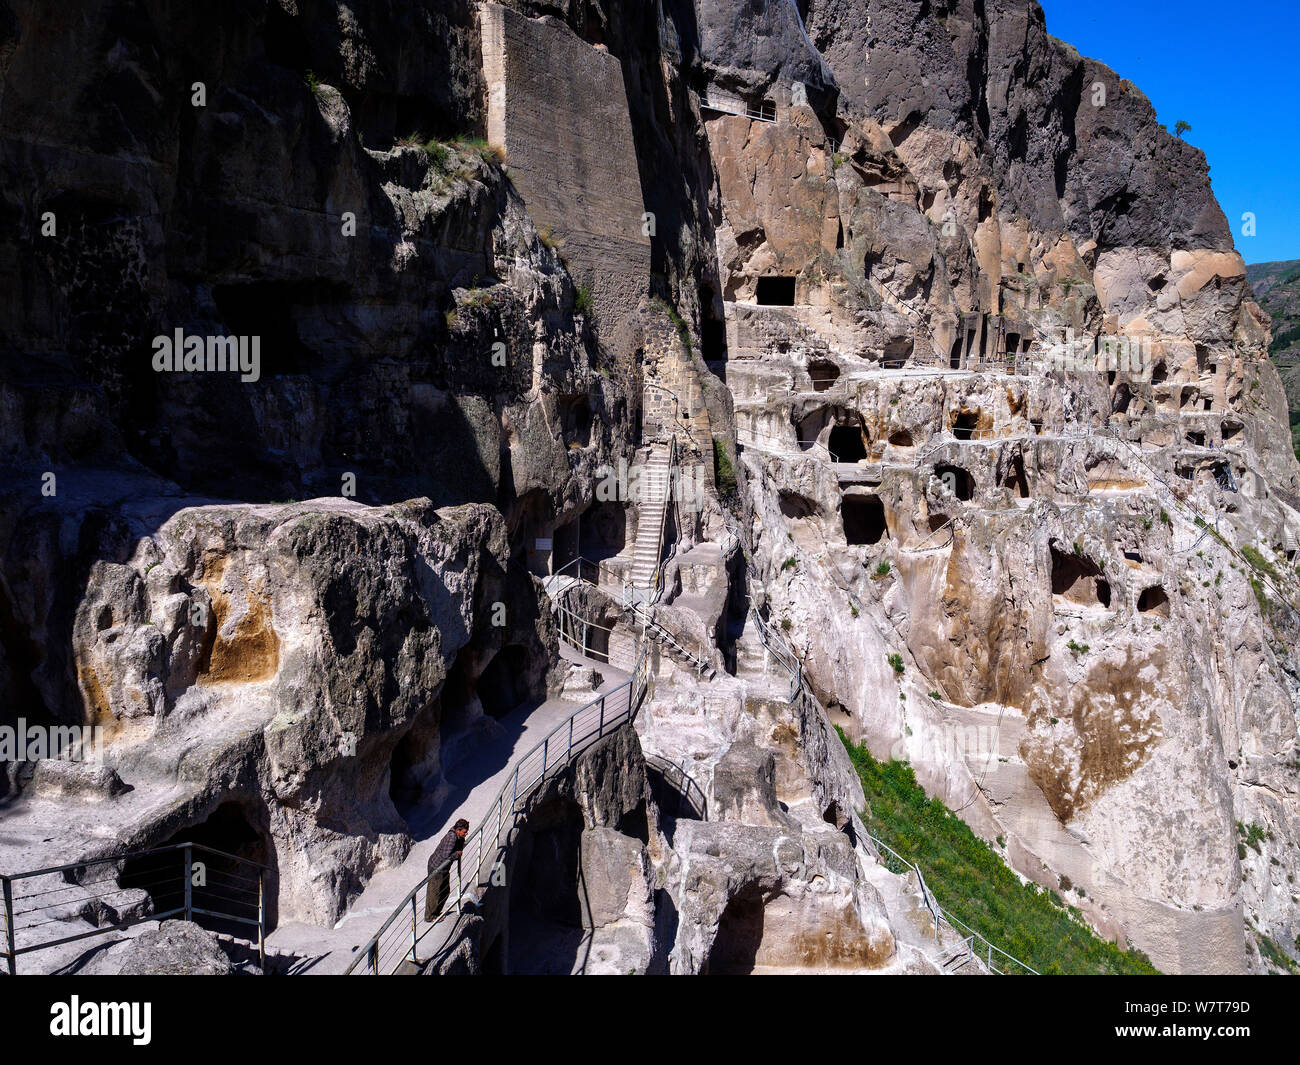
<point x="1123" y="397"/>
<point x="713" y="325"/>
<point x="847" y="443"/>
<point x="735" y="947"/>
<point x="823" y="373"/>
<point x="966" y="425"/>
<point x="775" y="292"/>
<point x="1078" y="579"/>
<point x="218" y="884"/>
<point x="602" y="530"/>
<point x="901" y="438"/>
<point x="1016" y="479"/>
<point x="576" y="418"/>
<point x="412" y="763"/>
<point x="864" y="520"/>
<point x="954" y="354"/>
<point x="265" y="309"/>
<point x="564" y="544"/>
<point x="958" y="480"/>
<point x="1154" y="600"/>
<point x="503" y="685"/>
<point x="545" y="885"/>
<point x="1159" y="373"/>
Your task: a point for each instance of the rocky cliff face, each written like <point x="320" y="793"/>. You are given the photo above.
<point x="850" y="240"/>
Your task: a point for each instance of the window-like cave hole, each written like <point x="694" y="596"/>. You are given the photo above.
<point x="823" y="373"/>
<point x="1078" y="579"/>
<point x="576" y="418"/>
<point x="775" y="292"/>
<point x="1154" y="599"/>
<point x="797" y="507"/>
<point x="954" y="355"/>
<point x="1231" y="430"/>
<point x="901" y="438"/>
<point x="1013" y="343"/>
<point x="1133" y="556"/>
<point x="1196" y="439"/>
<point x="958" y="481"/>
<point x="847" y="443"/>
<point x="864" y="520"/>
<point x="1159" y="373"/>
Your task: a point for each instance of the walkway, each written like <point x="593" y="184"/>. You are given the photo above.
<point x="474" y="782"/>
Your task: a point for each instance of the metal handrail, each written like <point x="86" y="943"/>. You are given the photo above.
<point x="688" y="790"/>
<point x="179" y="881"/>
<point x="648" y="621"/>
<point x="393" y="945"/>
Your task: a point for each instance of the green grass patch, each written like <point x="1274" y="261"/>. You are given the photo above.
<point x="972" y="883"/>
<point x="724" y="473"/>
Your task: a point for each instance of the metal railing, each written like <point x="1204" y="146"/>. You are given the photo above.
<point x="149" y="885"/>
<point x="688" y="791"/>
<point x="572" y="621"/>
<point x="399" y="939"/>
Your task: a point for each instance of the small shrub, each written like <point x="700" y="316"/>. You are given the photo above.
<point x="724" y="473"/>
<point x="790" y="563"/>
<point x="882" y="570"/>
<point x="786" y="625"/>
<point x="584" y="300"/>
<point x="896" y="661"/>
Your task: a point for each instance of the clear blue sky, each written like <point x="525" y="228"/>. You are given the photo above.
<point x="1231" y="69"/>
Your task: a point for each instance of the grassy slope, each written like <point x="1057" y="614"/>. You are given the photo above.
<point x="973" y="884"/>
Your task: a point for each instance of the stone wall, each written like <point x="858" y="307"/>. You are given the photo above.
<point x="558" y="109"/>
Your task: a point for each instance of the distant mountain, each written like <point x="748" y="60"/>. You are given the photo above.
<point x="1277" y="288"/>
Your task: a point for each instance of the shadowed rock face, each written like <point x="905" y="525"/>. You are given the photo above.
<point x="1086" y="673"/>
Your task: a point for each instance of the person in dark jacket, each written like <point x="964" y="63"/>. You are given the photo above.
<point x="447" y="851"/>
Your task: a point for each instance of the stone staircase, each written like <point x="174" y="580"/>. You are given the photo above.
<point x="652" y="505"/>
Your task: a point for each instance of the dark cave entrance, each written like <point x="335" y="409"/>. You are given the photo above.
<point x="546" y="919"/>
<point x="218" y="883"/>
<point x="1016" y="479"/>
<point x="713" y="325"/>
<point x="576" y="418"/>
<point x="740" y="935"/>
<point x="1078" y="579"/>
<point x="1154" y="600"/>
<point x="966" y="425"/>
<point x="954" y="355"/>
<point x="503" y="685"/>
<point x="775" y="292"/>
<point x="847" y="444"/>
<point x="602" y="531"/>
<point x="958" y="480"/>
<point x="823" y="373"/>
<point x="864" y="520"/>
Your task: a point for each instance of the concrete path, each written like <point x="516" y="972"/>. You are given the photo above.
<point x="475" y="781"/>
